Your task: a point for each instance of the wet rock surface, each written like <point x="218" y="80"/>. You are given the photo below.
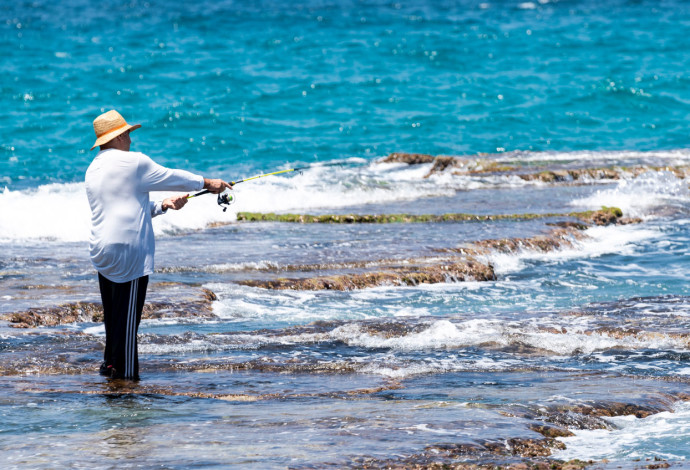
<point x="550" y="173"/>
<point x="119" y="388"/>
<point x="409" y="158"/>
<point x="467" y="267"/>
<point x="458" y="271"/>
<point x="198" y="305"/>
<point x="604" y="216"/>
<point x="514" y="454"/>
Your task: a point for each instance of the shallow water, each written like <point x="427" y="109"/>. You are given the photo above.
<point x="318" y="378"/>
<point x="387" y="374"/>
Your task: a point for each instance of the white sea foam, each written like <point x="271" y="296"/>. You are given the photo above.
<point x="240" y="303"/>
<point x="445" y="334"/>
<point x="54" y="211"/>
<point x="338" y="187"/>
<point x="439" y="335"/>
<point x="576" y="338"/>
<point x="61" y="211"/>
<point x="97" y="330"/>
<point x="637" y="196"/>
<point x="385" y="367"/>
<point x="229" y="267"/>
<point x="425" y="428"/>
<point x="665" y="435"/>
<point x="620" y="239"/>
<point x="199" y="344"/>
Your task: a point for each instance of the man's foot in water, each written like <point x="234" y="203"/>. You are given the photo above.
<point x="108" y="371"/>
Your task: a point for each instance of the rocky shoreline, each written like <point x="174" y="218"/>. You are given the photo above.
<point x="467" y="262"/>
<point x="543" y="172"/>
<point x="192" y="306"/>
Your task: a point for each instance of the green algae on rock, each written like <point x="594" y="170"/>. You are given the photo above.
<point x="604" y="216"/>
<point x="373" y="218"/>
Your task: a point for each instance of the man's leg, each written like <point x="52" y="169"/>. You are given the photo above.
<point x="122" y="307"/>
<point x="107" y="296"/>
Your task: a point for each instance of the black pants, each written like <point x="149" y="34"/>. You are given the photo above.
<point x="122" y="307"/>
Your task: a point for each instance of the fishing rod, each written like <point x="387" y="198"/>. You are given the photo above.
<point x="225" y="198"/>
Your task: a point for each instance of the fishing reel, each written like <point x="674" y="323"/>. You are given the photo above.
<point x="226" y="198"/>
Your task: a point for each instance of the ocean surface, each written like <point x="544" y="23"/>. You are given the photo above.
<point x="237" y="373"/>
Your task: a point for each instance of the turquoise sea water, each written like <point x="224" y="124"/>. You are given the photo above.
<point x="227" y="86"/>
<point x="319" y="379"/>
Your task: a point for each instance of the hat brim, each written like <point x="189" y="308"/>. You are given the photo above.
<point x="105" y="138"/>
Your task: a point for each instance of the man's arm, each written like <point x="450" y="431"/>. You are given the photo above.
<point x="215" y="186"/>
<point x="155" y="177"/>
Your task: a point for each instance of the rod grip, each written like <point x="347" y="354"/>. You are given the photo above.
<point x="200" y="193"/>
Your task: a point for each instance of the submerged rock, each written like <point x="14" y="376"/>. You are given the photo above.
<point x="119" y="387"/>
<point x="523" y="447"/>
<point x="460" y="270"/>
<point x="514" y="453"/>
<point x="592" y="415"/>
<point x="551" y="431"/>
<point x="464" y="266"/>
<point x="522" y="453"/>
<point x="611" y="409"/>
<point x="556" y="239"/>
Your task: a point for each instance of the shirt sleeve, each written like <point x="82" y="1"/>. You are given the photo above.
<point x="154" y="177"/>
<point x="156" y="208"/>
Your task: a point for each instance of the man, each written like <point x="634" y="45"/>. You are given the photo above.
<point x="122" y="244"/>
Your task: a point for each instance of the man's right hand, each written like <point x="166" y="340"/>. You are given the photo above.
<point x="216" y="186"/>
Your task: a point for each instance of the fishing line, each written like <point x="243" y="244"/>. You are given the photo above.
<point x="226" y="197"/>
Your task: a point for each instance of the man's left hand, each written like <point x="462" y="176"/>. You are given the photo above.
<point x="175" y="202"/>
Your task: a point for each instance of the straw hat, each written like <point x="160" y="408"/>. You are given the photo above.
<point x="109" y="125"/>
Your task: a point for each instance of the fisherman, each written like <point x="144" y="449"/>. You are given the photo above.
<point x="122" y="247"/>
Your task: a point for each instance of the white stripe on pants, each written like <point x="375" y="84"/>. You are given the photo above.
<point x="131" y="334"/>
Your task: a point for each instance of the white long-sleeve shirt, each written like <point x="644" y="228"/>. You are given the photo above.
<point x="118" y="184"/>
